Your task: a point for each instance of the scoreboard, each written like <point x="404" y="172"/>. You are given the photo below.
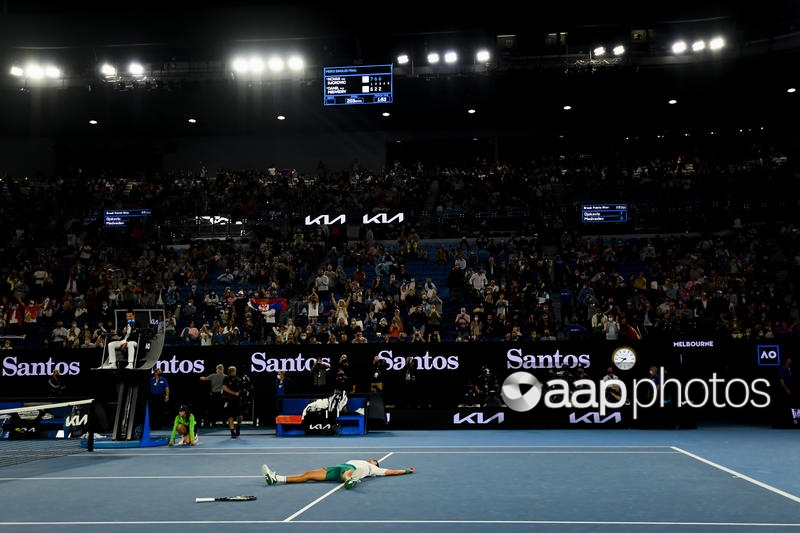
<point x="604" y="213"/>
<point x="357" y="84"/>
<point x="119" y="218"/>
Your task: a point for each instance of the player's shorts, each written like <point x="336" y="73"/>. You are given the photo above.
<point x="233" y="407"/>
<point x="335" y="473"/>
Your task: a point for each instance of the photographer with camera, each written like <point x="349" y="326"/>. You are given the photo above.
<point x="319" y="376"/>
<point x="379" y="368"/>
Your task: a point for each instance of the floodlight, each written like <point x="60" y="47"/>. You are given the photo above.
<point x="34" y="72"/>
<point x="295" y="63"/>
<point x="275" y="64"/>
<point x="256" y="64"/>
<point x="136" y="69"/>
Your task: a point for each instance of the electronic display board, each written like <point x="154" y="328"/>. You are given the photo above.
<point x="604" y="213"/>
<point x="119" y="218"/>
<point x="357" y="84"/>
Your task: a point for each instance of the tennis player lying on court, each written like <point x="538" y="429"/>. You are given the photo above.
<point x="349" y="473"/>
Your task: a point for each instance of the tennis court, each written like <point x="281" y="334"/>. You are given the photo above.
<point x="716" y="478"/>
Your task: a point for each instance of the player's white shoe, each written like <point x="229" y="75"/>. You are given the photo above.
<point x="269" y="475"/>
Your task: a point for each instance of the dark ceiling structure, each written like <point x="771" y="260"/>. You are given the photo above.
<point x="540" y="63"/>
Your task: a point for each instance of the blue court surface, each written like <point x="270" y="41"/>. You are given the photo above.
<point x="715" y="478"/>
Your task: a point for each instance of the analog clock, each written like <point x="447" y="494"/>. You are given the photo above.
<point x="624" y="358"/>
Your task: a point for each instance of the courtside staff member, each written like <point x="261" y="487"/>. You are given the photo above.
<point x="215" y="400"/>
<point x="159" y="398"/>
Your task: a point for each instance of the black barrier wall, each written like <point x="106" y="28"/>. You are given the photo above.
<point x="720" y="370"/>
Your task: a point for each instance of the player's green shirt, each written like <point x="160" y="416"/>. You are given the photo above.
<point x="188" y="422"/>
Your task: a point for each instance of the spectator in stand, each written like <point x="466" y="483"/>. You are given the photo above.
<point x="313" y="306"/>
<point x="190" y="309"/>
<point x="74" y="336"/>
<point x="478" y="282"/>
<point x="417" y="320"/>
<point x="370" y="323"/>
<point x="611" y="328"/>
<point x="476" y="326"/>
<point x="206" y="335"/>
<point x="393" y="290"/>
<point x="462" y="322"/>
<point x="190" y="334"/>
<point x="396" y="328"/>
<point x="210" y="303"/>
<point x="434" y="318"/>
<point x="15" y="321"/>
<point x="226" y="277"/>
<point x="322" y="285"/>
<point x="382" y="331"/>
<point x="232" y="333"/>
<point x="574" y="330"/>
<point x="547" y="335"/>
<point x="239" y="308"/>
<point x="379" y="305"/>
<point x="170" y="324"/>
<point x="441" y="257"/>
<point x="31" y="312"/>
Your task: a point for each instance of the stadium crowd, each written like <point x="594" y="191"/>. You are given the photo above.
<point x="485" y="252"/>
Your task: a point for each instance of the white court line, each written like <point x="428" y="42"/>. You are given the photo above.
<point x="741" y="476"/>
<point x="315" y="502"/>
<point x="252" y="449"/>
<point x="397" y="522"/>
<point x="87" y="478"/>
<point x="412" y="449"/>
<point x="339" y="452"/>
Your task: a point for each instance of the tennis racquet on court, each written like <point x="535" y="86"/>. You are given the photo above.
<point x="226" y="499"/>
